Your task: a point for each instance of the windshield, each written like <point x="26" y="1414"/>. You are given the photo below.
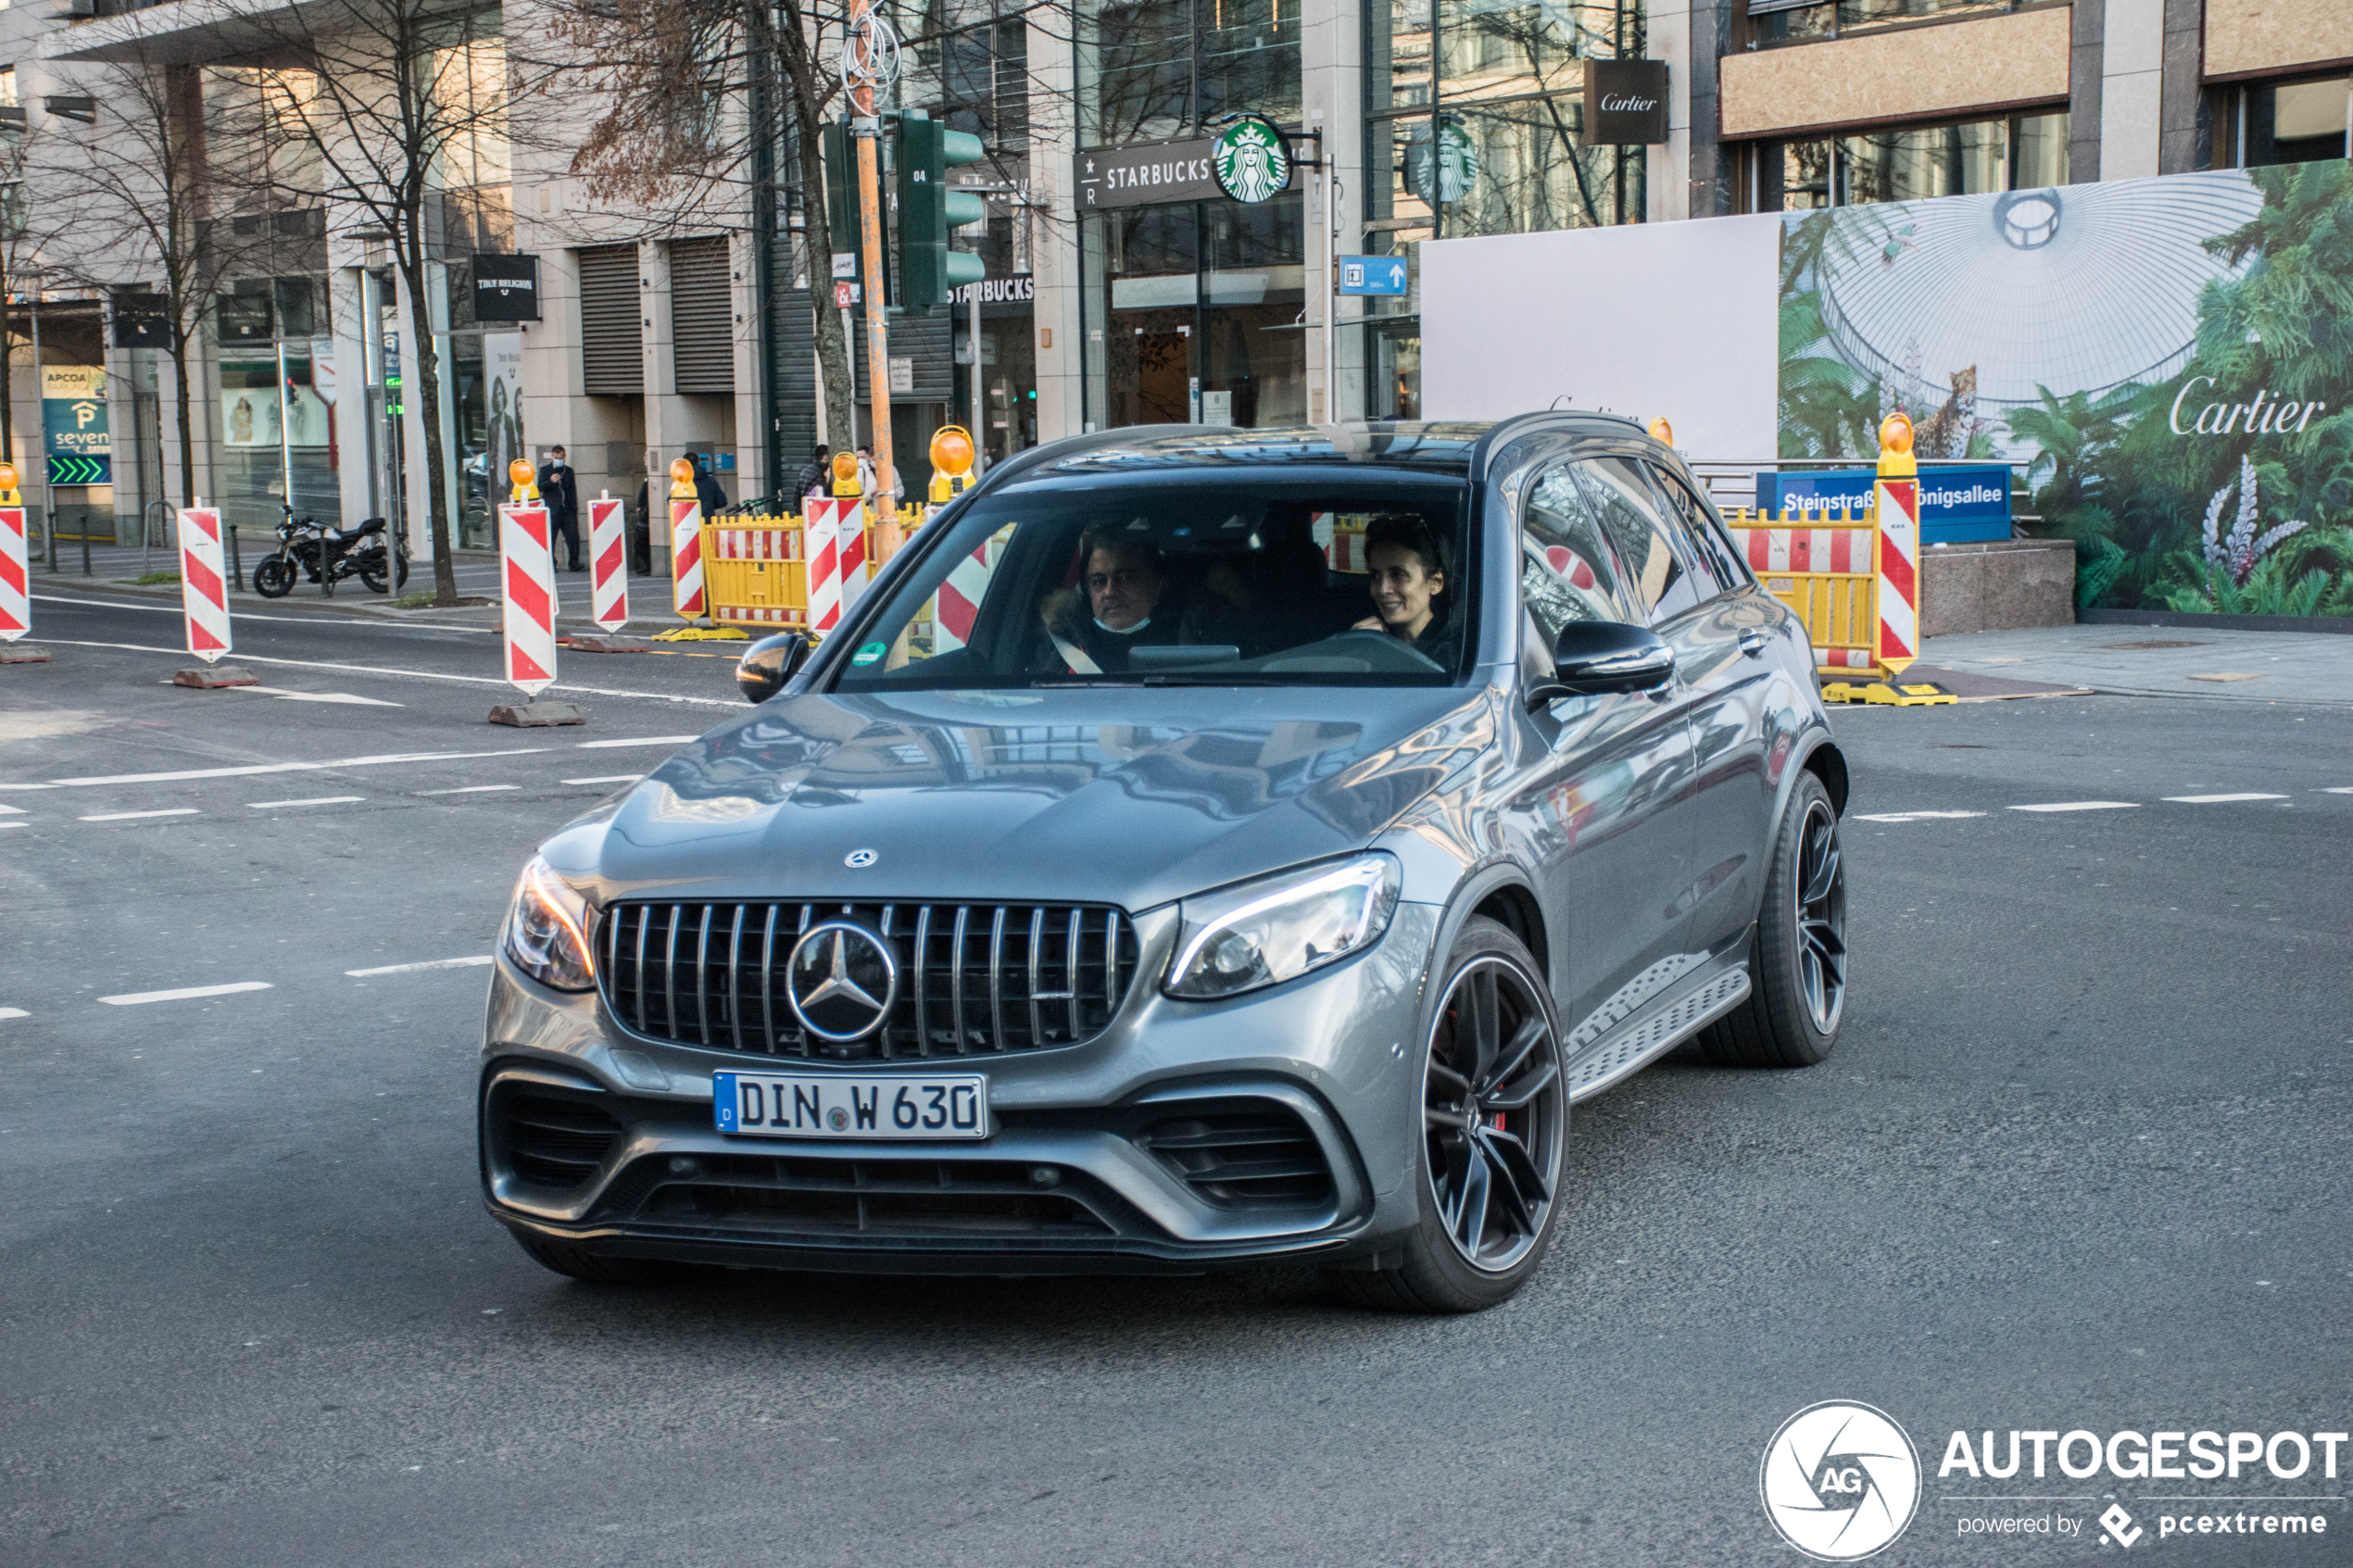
<point x="1289" y="579"/>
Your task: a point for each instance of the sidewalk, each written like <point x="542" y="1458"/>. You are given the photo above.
<point x="2161" y="660"/>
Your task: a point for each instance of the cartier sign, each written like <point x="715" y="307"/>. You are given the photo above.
<point x="1625" y="102"/>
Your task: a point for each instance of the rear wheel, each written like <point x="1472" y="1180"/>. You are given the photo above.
<point x="273" y="579"/>
<point x="1797" y="960"/>
<point x="597" y="1268"/>
<point x="1495" y="1133"/>
<point x="372" y="579"/>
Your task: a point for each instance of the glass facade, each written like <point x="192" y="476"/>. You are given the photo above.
<point x="1904" y="163"/>
<point x="2271" y="122"/>
<point x="1792" y="22"/>
<point x="1153" y="69"/>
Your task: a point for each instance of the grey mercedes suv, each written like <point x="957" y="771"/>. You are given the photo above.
<point x="1197" y="847"/>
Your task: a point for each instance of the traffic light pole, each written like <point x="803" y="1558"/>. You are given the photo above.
<point x="865" y="128"/>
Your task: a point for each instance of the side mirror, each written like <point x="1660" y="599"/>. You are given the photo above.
<point x="1594" y="658"/>
<point x="762" y="673"/>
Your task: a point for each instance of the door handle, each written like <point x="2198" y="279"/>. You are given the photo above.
<point x="1753" y="641"/>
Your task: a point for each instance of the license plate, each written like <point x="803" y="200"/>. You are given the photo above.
<point x="778" y="1104"/>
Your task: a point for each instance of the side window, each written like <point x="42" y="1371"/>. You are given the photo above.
<point x="1711" y="556"/>
<point x="1565" y="571"/>
<point x="1656" y="579"/>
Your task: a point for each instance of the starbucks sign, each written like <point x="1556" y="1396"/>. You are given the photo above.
<point x="1251" y="159"/>
<point x="1449" y="175"/>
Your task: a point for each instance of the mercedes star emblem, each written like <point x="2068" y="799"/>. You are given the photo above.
<point x="859" y="859"/>
<point x="841" y="980"/>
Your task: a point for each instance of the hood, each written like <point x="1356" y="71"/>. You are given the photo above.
<point x="1119" y="795"/>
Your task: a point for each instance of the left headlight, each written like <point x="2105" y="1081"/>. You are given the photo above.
<point x="547" y="930"/>
<point x="1281" y="928"/>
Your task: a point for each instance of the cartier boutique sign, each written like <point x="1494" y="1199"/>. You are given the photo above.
<point x="1625" y="102"/>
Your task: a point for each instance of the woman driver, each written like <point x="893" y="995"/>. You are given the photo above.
<point x="1408" y="576"/>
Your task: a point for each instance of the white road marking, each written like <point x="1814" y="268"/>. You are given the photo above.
<point x="320" y="697"/>
<point x="639" y="740"/>
<point x="133" y="816"/>
<point x="2083" y="806"/>
<point x="1916" y="816"/>
<point x="2338" y="789"/>
<point x="476" y="961"/>
<point x="2218" y="800"/>
<point x="603" y="778"/>
<point x="380" y="670"/>
<point x="314" y="800"/>
<point x="186" y="994"/>
<point x="14" y="1012"/>
<point x="471" y="790"/>
<point x="250" y="770"/>
<point x="15" y="825"/>
<point x="12" y="811"/>
<point x="363" y="617"/>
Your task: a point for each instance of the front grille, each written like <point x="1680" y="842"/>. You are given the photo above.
<point x="936" y="1198"/>
<point x="555" y="1142"/>
<point x="975" y="979"/>
<point x="1257" y="1155"/>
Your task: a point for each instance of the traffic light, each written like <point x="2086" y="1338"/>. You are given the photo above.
<point x="841" y="201"/>
<point x="928" y="208"/>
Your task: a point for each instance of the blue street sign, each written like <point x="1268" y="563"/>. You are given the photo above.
<point x="1958" y="505"/>
<point x="1371" y="274"/>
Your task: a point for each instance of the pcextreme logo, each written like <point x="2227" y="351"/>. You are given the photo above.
<point x="1840" y="1480"/>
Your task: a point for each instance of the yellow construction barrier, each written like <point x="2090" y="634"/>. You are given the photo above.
<point x="756" y="569"/>
<point x="1826" y="568"/>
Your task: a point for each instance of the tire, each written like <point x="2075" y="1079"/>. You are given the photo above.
<point x="1506" y="1153"/>
<point x="596" y="1268"/>
<point x="273" y="578"/>
<point x="372" y="579"/>
<point x="400" y="571"/>
<point x="1797" y="961"/>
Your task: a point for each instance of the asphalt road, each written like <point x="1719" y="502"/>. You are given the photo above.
<point x="2081" y="1161"/>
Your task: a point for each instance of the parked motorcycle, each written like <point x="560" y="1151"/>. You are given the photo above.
<point x="329" y="555"/>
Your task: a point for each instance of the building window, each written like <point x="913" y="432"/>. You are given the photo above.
<point x="1807" y="22"/>
<point x="7" y="87"/>
<point x="1152" y="69"/>
<point x="1905" y="163"/>
<point x="2256" y="124"/>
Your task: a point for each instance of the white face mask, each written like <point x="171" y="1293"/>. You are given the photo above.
<point x="1125" y="630"/>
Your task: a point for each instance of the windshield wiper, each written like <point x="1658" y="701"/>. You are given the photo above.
<point x="1239" y="678"/>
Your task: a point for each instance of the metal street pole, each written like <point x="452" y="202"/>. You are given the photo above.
<point x="861" y="65"/>
<point x="980" y="415"/>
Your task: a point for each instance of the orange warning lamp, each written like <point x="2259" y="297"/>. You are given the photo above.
<point x="8" y="486"/>
<point x="1662" y="432"/>
<point x="682" y="478"/>
<point x="951" y="462"/>
<point x="1895" y="446"/>
<point x="519" y="473"/>
<point x="846" y="474"/>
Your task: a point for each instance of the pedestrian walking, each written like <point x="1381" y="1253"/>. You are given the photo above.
<point x="641" y="548"/>
<point x="561" y="491"/>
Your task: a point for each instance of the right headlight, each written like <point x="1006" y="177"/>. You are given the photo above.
<point x="1278" y="928"/>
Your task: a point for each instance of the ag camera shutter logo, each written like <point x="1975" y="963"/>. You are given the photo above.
<point x="1840" y="1481"/>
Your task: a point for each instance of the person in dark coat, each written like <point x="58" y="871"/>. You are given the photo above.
<point x="816" y="476"/>
<point x="641" y="524"/>
<point x="707" y="489"/>
<point x="1123" y="599"/>
<point x="558" y="489"/>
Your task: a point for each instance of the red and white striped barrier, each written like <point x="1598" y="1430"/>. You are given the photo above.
<point x="685" y="558"/>
<point x="16" y="599"/>
<point x="1806" y="549"/>
<point x="527" y="578"/>
<point x="830" y="523"/>
<point x="204" y="584"/>
<point x="1899" y="573"/>
<point x="608" y="564"/>
<point x="851" y="532"/>
<point x="756" y="544"/>
<point x="960" y="596"/>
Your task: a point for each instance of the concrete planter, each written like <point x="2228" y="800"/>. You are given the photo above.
<point x="1998" y="586"/>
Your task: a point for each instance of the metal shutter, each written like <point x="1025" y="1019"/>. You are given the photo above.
<point x="701" y="332"/>
<point x="611" y="342"/>
<point x="792" y="361"/>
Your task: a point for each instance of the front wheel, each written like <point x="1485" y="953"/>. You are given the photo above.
<point x="1495" y="1136"/>
<point x="1797" y="960"/>
<point x="274" y="578"/>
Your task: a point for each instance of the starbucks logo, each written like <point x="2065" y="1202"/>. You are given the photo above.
<point x="1449" y="174"/>
<point x="1251" y="160"/>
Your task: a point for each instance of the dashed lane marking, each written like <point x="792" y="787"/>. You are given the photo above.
<point x="14" y="1012"/>
<point x="250" y="770"/>
<point x="135" y="816"/>
<point x="393" y="673"/>
<point x="606" y="778"/>
<point x="344" y="698"/>
<point x="2338" y="789"/>
<point x="12" y="811"/>
<point x="476" y="961"/>
<point x="2219" y="800"/>
<point x="470" y="789"/>
<point x="638" y="740"/>
<point x="2083" y="806"/>
<point x="314" y="800"/>
<point x="1916" y="816"/>
<point x="189" y="992"/>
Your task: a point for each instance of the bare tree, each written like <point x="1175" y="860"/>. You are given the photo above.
<point x="405" y="108"/>
<point x="137" y="184"/>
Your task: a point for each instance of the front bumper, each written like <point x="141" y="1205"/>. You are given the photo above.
<point x="1281" y="1124"/>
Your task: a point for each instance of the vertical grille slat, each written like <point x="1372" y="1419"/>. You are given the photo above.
<point x="1001" y="971"/>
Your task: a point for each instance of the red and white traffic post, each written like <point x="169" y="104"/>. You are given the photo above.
<point x="685" y="543"/>
<point x="15" y="581"/>
<point x="608" y="564"/>
<point x="527" y="590"/>
<point x="204" y="598"/>
<point x="1898" y="500"/>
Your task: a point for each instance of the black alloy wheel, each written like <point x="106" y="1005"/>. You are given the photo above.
<point x="1493" y="1106"/>
<point x="1821" y="917"/>
<point x="273" y="578"/>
